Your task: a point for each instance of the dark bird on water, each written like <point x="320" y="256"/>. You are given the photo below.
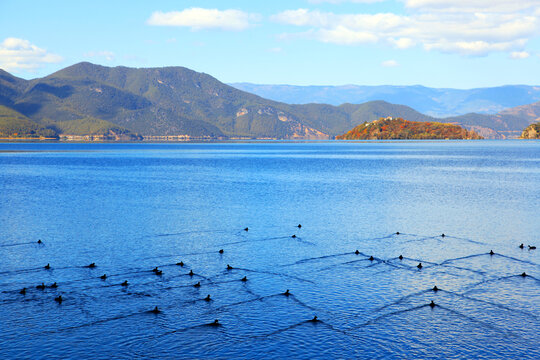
<point x="58" y="299"/>
<point x="397" y="233"/>
<point x="299" y="226"/>
<point x="244" y="279"/>
<point x="181" y="263"/>
<point x="155" y="310"/>
<point x="221" y="251"/>
<point x="125" y="283"/>
<point x="287" y="293"/>
<point x="357" y="252"/>
<point x="54" y="285"/>
<point x="432" y="304"/>
<point x="23" y="291"/>
<point x="103" y="277"/>
<point x="159" y="272"/>
<point x="91" y="266"/>
<point x="197" y="284"/>
<point x="442" y="235"/>
<point x="419" y="265"/>
<point x="229" y="267"/>
<point x="435" y="288"/>
<point x="191" y="273"/>
<point x="39" y="241"/>
<point x="207" y="298"/>
<point x="532" y="247"/>
<point x="41" y="287"/>
<point x="294" y="236"/>
<point x="215" y="323"/>
<point x="48" y="266"/>
<point x="523" y="274"/>
<point x="521" y="246"/>
<point x="400" y="257"/>
<point x="246" y="229"/>
<point x="491" y="252"/>
<point x="155" y="269"/>
<point x="371" y="258"/>
<point x="314" y="319"/>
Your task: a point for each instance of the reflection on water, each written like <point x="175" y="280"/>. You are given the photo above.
<point x="130" y="208"/>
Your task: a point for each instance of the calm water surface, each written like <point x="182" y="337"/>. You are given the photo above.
<point x="132" y="207"/>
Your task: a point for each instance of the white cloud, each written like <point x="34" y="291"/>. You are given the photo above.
<point x="20" y="54"/>
<point x="390" y="63"/>
<point x="519" y="55"/>
<point x="107" y="55"/>
<point x="466" y="33"/>
<point x="199" y="18"/>
<point x="485" y="6"/>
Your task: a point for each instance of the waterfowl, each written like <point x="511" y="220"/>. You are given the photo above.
<point x="23" y="291"/>
<point x="524" y="274"/>
<point x="491" y="252"/>
<point x="244" y="279"/>
<point x="246" y="229"/>
<point x="125" y="283"/>
<point x="357" y="252"/>
<point x="41" y="287"/>
<point x="181" y="263"/>
<point x="197" y="285"/>
<point x="287" y="293"/>
<point x="397" y="233"/>
<point x="432" y="304"/>
<point x="532" y="247"/>
<point x="159" y="272"/>
<point x="54" y="285"/>
<point x="521" y="246"/>
<point x="400" y="257"/>
<point x="155" y="269"/>
<point x="39" y="241"/>
<point x="155" y="310"/>
<point x="435" y="288"/>
<point x="371" y="258"/>
<point x="215" y="323"/>
<point x="91" y="266"/>
<point x="191" y="273"/>
<point x="314" y="319"/>
<point x="48" y="266"/>
<point x="229" y="267"/>
<point x="299" y="226"/>
<point x="207" y="298"/>
<point x="442" y="235"/>
<point x="58" y="299"/>
<point x="294" y="236"/>
<point x="103" y="277"/>
<point x="221" y="251"/>
<point x="419" y="265"/>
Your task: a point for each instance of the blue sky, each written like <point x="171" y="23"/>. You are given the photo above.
<point x="438" y="43"/>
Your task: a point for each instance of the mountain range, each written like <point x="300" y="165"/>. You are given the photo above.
<point x="434" y="102"/>
<point x="85" y="98"/>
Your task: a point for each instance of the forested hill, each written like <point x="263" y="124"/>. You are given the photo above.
<point x="179" y="101"/>
<point x="390" y="128"/>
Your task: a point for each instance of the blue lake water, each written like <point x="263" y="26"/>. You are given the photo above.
<point x="132" y="207"/>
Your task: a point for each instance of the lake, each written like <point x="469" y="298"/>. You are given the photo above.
<point x="129" y="208"/>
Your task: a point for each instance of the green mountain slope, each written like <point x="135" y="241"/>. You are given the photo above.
<point x="178" y="101"/>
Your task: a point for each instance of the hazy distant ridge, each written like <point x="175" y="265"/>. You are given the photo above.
<point x="437" y="102"/>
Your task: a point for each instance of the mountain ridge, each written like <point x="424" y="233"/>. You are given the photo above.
<point x="179" y="101"/>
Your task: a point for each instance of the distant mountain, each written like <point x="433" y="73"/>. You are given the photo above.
<point x="121" y="102"/>
<point x="431" y="101"/>
<point x="392" y="128"/>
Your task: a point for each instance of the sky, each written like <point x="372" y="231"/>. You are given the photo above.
<point x="437" y="43"/>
